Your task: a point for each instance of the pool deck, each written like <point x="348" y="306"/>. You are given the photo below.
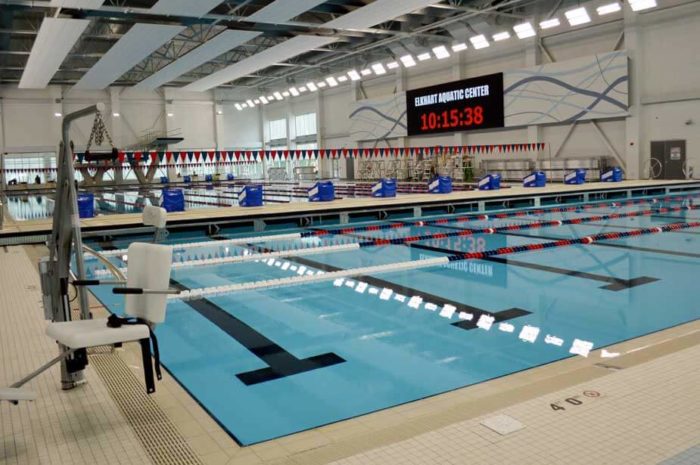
<point x="639" y="408"/>
<point x="39" y="227"/>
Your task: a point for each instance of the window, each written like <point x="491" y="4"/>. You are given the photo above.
<point x="305" y="124"/>
<point x="24" y="167"/>
<point x="278" y="132"/>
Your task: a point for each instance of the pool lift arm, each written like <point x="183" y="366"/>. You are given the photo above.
<point x="66" y="239"/>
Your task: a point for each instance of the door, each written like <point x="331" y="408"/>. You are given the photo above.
<point x="668" y="159"/>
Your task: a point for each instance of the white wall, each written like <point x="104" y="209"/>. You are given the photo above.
<point x="665" y="86"/>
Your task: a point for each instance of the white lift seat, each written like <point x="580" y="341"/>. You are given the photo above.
<point x="15" y="395"/>
<point x="147" y="281"/>
<point x="90" y="333"/>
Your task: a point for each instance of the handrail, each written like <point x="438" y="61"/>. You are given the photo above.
<point x="110" y="266"/>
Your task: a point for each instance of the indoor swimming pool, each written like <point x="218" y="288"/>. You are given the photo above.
<point x="278" y="359"/>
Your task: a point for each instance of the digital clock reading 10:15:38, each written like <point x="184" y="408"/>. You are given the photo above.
<point x="475" y="103"/>
<point x="453" y="119"/>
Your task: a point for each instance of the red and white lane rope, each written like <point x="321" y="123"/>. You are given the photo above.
<point x="398" y="225"/>
<point x="320" y="276"/>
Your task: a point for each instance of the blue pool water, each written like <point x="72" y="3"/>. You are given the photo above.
<point x="272" y="362"/>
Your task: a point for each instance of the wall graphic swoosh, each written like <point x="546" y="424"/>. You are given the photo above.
<point x="597" y="95"/>
<point x="397" y="122"/>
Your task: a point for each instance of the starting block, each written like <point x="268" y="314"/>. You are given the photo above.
<point x="440" y="185"/>
<point x="612" y="175"/>
<point x="490" y="182"/>
<point x="323" y="191"/>
<point x="385" y="188"/>
<point x="575" y="177"/>
<point x="251" y="196"/>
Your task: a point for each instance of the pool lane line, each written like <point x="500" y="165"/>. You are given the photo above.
<point x="398" y="225"/>
<point x="426" y="263"/>
<point x="619" y="226"/>
<point x="613" y="284"/>
<point x="370" y="242"/>
<point x="500" y="316"/>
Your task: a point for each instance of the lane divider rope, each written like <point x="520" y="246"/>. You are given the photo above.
<point x="304" y="278"/>
<point x="369" y="242"/>
<point x="398" y="225"/>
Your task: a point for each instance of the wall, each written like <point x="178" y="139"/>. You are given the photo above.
<point x="665" y="99"/>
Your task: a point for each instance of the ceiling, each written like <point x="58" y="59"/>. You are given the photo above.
<point x="203" y="44"/>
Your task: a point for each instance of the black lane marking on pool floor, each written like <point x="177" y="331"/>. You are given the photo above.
<point x="503" y="315"/>
<point x="614" y="284"/>
<point x="280" y="362"/>
<point x="613" y="226"/>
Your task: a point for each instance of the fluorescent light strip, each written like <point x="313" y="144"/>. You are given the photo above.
<point x="83" y="4"/>
<point x="264" y="100"/>
<point x="501" y="36"/>
<point x="639" y="5"/>
<point x="332" y="81"/>
<point x="311" y="86"/>
<point x="250" y="103"/>
<point x="549" y="23"/>
<point x="277" y="96"/>
<point x="479" y="41"/>
<point x="209" y="50"/>
<point x="609" y="8"/>
<point x="524" y="30"/>
<point x="294" y="91"/>
<point x="441" y="52"/>
<point x="378" y="69"/>
<point x="459" y="47"/>
<point x="277" y="54"/>
<point x="392" y="65"/>
<point x="577" y="16"/>
<point x="354" y="75"/>
<point x="238" y="106"/>
<point x="55" y="39"/>
<point x="342" y="78"/>
<point x="321" y="84"/>
<point x="302" y="89"/>
<point x="408" y="61"/>
<point x="366" y="72"/>
<point x="285" y="94"/>
<point x="138" y="43"/>
<point x="424" y="56"/>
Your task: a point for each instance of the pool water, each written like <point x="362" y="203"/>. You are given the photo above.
<point x="271" y="362"/>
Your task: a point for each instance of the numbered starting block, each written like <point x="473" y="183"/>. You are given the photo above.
<point x="490" y="182"/>
<point x="251" y="196"/>
<point x="536" y="179"/>
<point x="323" y="191"/>
<point x="173" y="200"/>
<point x="164" y="180"/>
<point x="575" y="177"/>
<point x="86" y="205"/>
<point x="229" y="177"/>
<point x="208" y="178"/>
<point x="440" y="185"/>
<point x="187" y="179"/>
<point x="612" y="175"/>
<point x="384" y="188"/>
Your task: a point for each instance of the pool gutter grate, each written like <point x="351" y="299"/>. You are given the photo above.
<point x="160" y="438"/>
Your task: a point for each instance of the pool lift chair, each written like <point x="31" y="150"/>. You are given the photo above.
<point x="148" y="277"/>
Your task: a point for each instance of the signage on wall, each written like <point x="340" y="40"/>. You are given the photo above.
<point x="475" y="103"/>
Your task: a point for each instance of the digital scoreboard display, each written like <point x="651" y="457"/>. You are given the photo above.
<point x="475" y="103"/>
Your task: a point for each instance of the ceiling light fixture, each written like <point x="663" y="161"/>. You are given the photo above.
<point x="264" y="100"/>
<point x="479" y="41"/>
<point x="408" y="61"/>
<point x="524" y="30"/>
<point x="342" y="78"/>
<point x="378" y="69"/>
<point x="501" y="36"/>
<point x="578" y="16"/>
<point x="366" y="72"/>
<point x="354" y="75"/>
<point x="392" y="65"/>
<point x="609" y="8"/>
<point x="238" y="106"/>
<point x="441" y="52"/>
<point x="312" y="87"/>
<point x="278" y="96"/>
<point x="332" y="81"/>
<point x="639" y="5"/>
<point x="294" y="91"/>
<point x="424" y="56"/>
<point x="459" y="47"/>
<point x="549" y="23"/>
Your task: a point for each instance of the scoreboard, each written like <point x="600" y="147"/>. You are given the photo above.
<point x="475" y="103"/>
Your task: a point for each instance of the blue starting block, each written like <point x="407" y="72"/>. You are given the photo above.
<point x="187" y="179"/>
<point x="173" y="200"/>
<point x="251" y="196"/>
<point x="490" y="182"/>
<point x="575" y="177"/>
<point x="323" y="191"/>
<point x="612" y="175"/>
<point x="229" y="177"/>
<point x="535" y="179"/>
<point x="164" y="180"/>
<point x="384" y="188"/>
<point x="86" y="205"/>
<point x="440" y="185"/>
<point x="208" y="178"/>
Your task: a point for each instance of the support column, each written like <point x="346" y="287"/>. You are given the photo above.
<point x="634" y="154"/>
<point x="533" y="57"/>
